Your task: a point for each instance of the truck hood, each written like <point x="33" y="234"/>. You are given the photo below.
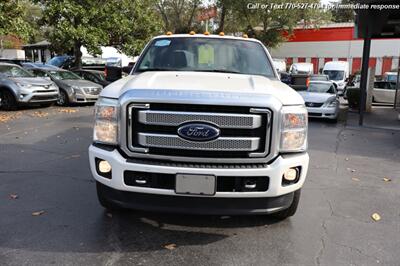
<point x="32" y="81"/>
<point x="205" y="82"/>
<point x="316" y="97"/>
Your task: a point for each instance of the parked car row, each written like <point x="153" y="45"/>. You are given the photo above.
<point x="300" y="74"/>
<point x="41" y="84"/>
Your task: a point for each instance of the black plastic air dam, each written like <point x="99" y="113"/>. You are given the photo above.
<point x="195" y="205"/>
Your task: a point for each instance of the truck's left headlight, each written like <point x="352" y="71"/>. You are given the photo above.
<point x="106" y="121"/>
<point x="294" y="129"/>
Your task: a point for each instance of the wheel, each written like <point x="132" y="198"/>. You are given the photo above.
<point x="63" y="99"/>
<point x="109" y="205"/>
<point x="292" y="208"/>
<point x="7" y="101"/>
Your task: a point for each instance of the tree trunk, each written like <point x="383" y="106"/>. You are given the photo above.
<point x="222" y="20"/>
<point x="77" y="54"/>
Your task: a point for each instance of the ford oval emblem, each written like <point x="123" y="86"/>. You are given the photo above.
<point x="198" y="132"/>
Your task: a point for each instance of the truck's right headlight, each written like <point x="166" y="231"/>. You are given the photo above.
<point x="294" y="129"/>
<point x="106" y="121"/>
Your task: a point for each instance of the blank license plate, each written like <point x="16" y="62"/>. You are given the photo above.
<point x="195" y="184"/>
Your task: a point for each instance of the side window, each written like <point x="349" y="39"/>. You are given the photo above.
<point x="39" y="73"/>
<point x="88" y="76"/>
<point x="391" y="85"/>
<point x="379" y="85"/>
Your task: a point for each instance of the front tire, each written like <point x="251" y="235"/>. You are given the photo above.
<point x="7" y="101"/>
<point x="281" y="215"/>
<point x="63" y="99"/>
<point x="103" y="200"/>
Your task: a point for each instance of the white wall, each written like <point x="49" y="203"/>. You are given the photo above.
<point x="110" y="52"/>
<point x="335" y="49"/>
<point x="12" y="54"/>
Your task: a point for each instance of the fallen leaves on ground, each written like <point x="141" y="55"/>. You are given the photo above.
<point x="38" y="213"/>
<point x="386" y="179"/>
<point x="376" y="217"/>
<point x="170" y="246"/>
<point x="67" y="110"/>
<point x="5" y="117"/>
<point x="13" y="196"/>
<point x="39" y="114"/>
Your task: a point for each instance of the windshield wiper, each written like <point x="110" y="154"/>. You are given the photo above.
<point x="219" y="71"/>
<point x="157" y="69"/>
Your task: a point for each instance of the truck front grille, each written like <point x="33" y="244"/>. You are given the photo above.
<point x="243" y="131"/>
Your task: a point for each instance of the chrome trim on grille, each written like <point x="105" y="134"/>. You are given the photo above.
<point x="220" y="144"/>
<point x="133" y="100"/>
<point x="92" y="90"/>
<point x="222" y="120"/>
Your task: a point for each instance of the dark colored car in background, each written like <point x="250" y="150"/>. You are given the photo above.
<point x="93" y="75"/>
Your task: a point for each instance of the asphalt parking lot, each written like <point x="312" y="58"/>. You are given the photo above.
<point x="49" y="212"/>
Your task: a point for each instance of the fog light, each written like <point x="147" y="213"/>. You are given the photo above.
<point x="290" y="174"/>
<point x="104" y="167"/>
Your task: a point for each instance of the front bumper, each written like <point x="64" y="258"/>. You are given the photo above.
<point x="273" y="171"/>
<point x="83" y="98"/>
<point x="323" y="112"/>
<point x="37" y="97"/>
<point x="195" y="205"/>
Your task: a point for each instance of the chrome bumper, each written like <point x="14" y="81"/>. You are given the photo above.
<point x="273" y="171"/>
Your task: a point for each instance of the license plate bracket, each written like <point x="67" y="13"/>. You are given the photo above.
<point x="191" y="184"/>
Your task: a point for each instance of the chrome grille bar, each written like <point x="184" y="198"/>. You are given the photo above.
<point x="222" y="120"/>
<point x="220" y="144"/>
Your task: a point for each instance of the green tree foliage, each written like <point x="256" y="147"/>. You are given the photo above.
<point x="267" y="24"/>
<point x="343" y="15"/>
<point x="13" y="19"/>
<point x="125" y="24"/>
<point x="179" y="16"/>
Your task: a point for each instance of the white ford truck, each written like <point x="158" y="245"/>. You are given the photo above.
<point x="202" y="125"/>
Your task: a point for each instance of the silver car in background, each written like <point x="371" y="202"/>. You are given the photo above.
<point x="73" y="89"/>
<point x="321" y="100"/>
<point x="19" y="87"/>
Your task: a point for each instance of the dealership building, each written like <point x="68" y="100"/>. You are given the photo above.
<point x="337" y="42"/>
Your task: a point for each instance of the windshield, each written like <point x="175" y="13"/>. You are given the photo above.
<point x="320" y="77"/>
<point x="14" y="71"/>
<point x="334" y="74"/>
<point x="57" y="61"/>
<point x="63" y="75"/>
<point x="321" y="88"/>
<point x="392" y="78"/>
<point x="101" y="76"/>
<point x="206" y="54"/>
